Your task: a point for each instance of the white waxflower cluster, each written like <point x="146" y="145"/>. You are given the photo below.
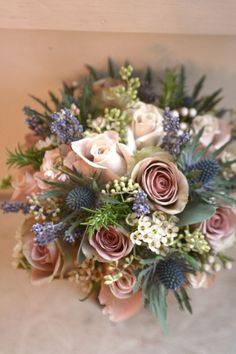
<point x="155" y="231"/>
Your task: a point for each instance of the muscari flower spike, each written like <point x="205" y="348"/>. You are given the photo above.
<point x="174" y="137"/>
<point x="141" y="206"/>
<point x="66" y="126"/>
<point x="47" y="232"/>
<point x="36" y="124"/>
<point x="202" y="173"/>
<point x="80" y="197"/>
<point x="15" y="207"/>
<point x="171" y="272"/>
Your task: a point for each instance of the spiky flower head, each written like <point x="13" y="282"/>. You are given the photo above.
<point x="202" y="173"/>
<point x="171" y="272"/>
<point x="66" y="126"/>
<point x="80" y="197"/>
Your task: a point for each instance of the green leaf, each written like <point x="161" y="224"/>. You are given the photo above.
<point x="158" y="306"/>
<point x="80" y="255"/>
<point x="42" y="103"/>
<point x="148" y="75"/>
<point x="111" y="68"/>
<point x="92" y="72"/>
<point x="196" y="212"/>
<point x="198" y="87"/>
<point x="20" y="158"/>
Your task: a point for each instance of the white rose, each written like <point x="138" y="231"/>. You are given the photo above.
<point x="147" y="127"/>
<point x="102" y="154"/>
<point x="216" y="131"/>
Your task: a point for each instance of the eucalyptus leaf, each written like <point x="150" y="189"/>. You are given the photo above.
<point x="196" y="212"/>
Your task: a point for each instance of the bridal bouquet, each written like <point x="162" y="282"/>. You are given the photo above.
<point x="127" y="183"/>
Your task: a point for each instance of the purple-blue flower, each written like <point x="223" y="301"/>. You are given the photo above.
<point x="14" y="207"/>
<point x="47" y="232"/>
<point x="66" y="126"/>
<point x="174" y="138"/>
<point x="141" y="206"/>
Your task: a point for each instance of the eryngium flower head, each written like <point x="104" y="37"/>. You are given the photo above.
<point x="80" y="197"/>
<point x="203" y="173"/>
<point x="171" y="272"/>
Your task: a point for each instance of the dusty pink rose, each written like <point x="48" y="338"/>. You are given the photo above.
<point x="201" y="280"/>
<point x="49" y="168"/>
<point x="147" y="125"/>
<point x="23" y="183"/>
<point x="119" y="300"/>
<point x="220" y="228"/>
<point x="45" y="261"/>
<point x="216" y="131"/>
<point x="166" y="187"/>
<point x="102" y="154"/>
<point x="109" y="245"/>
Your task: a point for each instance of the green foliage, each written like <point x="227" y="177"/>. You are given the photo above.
<point x="218" y="191"/>
<point x="173" y="89"/>
<point x="85" y="100"/>
<point x="195" y="212"/>
<point x="183" y="300"/>
<point x="107" y="215"/>
<point x="30" y="157"/>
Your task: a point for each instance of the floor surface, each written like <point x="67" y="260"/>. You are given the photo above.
<point x="51" y="320"/>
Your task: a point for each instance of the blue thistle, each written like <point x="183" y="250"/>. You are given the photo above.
<point x="80" y="197"/>
<point x="15" y="207"/>
<point x="47" y="232"/>
<point x="202" y="173"/>
<point x="171" y="273"/>
<point x="66" y="126"/>
<point x="141" y="206"/>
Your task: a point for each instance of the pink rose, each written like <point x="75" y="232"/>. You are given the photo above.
<point x="109" y="245"/>
<point x="102" y="154"/>
<point x="119" y="300"/>
<point x="216" y="131"/>
<point x="23" y="183"/>
<point x="45" y="261"/>
<point x="220" y="228"/>
<point x="166" y="187"/>
<point x="147" y="125"/>
<point x="49" y="168"/>
<point x="200" y="280"/>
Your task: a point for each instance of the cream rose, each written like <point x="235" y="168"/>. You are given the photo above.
<point x="102" y="154"/>
<point x="24" y="184"/>
<point x="216" y="131"/>
<point x="49" y="168"/>
<point x="147" y="125"/>
<point x="166" y="186"/>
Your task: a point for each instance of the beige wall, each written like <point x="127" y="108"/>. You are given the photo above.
<point x="35" y="61"/>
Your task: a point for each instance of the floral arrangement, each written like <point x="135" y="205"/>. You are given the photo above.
<point x="127" y="182"/>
